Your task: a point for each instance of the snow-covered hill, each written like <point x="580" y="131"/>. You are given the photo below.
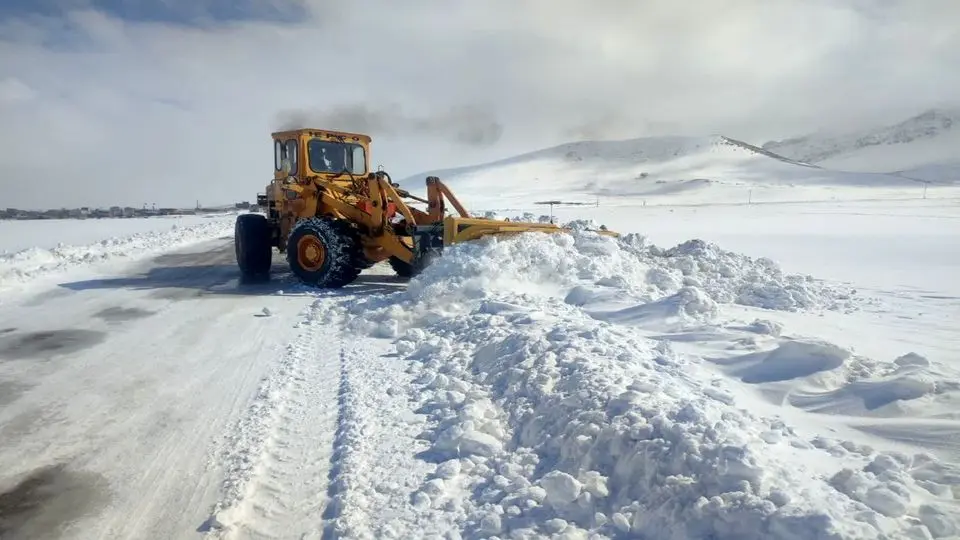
<point x="674" y="169"/>
<point x="926" y="147"/>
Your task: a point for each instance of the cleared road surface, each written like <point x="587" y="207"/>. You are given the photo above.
<point x="127" y="402"/>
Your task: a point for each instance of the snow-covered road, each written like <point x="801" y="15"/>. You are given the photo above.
<point x="568" y="386"/>
<point x="130" y="378"/>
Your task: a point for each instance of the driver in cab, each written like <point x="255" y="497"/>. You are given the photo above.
<point x="333" y="160"/>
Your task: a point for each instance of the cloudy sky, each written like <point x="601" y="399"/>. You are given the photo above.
<point x="169" y="101"/>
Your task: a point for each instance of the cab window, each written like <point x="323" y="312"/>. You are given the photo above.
<point x="336" y="157"/>
<point x="291" y="154"/>
<point x="358" y="161"/>
<point x="283" y="151"/>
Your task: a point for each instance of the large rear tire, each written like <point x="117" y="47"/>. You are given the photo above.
<point x="407" y="270"/>
<point x="401" y="267"/>
<point x="324" y="252"/>
<point x="251" y="243"/>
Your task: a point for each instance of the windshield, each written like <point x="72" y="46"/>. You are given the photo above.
<point x="333" y="157"/>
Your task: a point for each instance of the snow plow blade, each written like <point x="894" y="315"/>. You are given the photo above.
<point x="430" y="240"/>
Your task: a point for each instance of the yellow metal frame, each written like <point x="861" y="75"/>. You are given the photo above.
<point x="458" y="229"/>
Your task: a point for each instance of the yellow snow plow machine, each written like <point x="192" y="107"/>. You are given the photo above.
<point x="333" y="217"/>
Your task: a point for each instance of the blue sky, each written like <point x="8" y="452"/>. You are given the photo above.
<point x="186" y="12"/>
<point x="169" y="101"/>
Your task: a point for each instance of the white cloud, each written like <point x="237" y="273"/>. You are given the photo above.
<point x="13" y="90"/>
<point x="126" y="112"/>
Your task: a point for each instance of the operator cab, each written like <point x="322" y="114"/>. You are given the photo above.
<point x="308" y="152"/>
<point x="327" y="156"/>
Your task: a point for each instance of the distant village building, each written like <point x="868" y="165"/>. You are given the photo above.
<point x="86" y="212"/>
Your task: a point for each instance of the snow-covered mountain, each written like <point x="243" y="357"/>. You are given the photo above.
<point x="926" y="146"/>
<point x="683" y="169"/>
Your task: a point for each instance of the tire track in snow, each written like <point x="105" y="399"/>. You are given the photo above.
<point x="376" y="469"/>
<point x="278" y="457"/>
<point x="338" y="489"/>
<point x="354" y="474"/>
<point x="289" y="494"/>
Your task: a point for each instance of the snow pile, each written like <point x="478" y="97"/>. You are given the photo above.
<point x="729" y="277"/>
<point x="546" y="420"/>
<point x="723" y="276"/>
<point x="535" y="264"/>
<point x="916" y="489"/>
<point x="567" y="426"/>
<point x="24" y="265"/>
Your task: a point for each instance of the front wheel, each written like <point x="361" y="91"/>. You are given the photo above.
<point x="325" y="252"/>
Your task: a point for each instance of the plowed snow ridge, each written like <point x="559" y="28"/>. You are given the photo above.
<point x="553" y="408"/>
<point x="29" y="264"/>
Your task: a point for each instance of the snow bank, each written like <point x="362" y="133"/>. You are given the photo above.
<point x="18" y="235"/>
<point x="547" y="417"/>
<point x="827" y="379"/>
<point x="621" y="280"/>
<point x="28" y="264"/>
<point x="732" y="277"/>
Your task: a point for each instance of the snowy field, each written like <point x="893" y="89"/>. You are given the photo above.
<point x="879" y="244"/>
<point x="723" y="371"/>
